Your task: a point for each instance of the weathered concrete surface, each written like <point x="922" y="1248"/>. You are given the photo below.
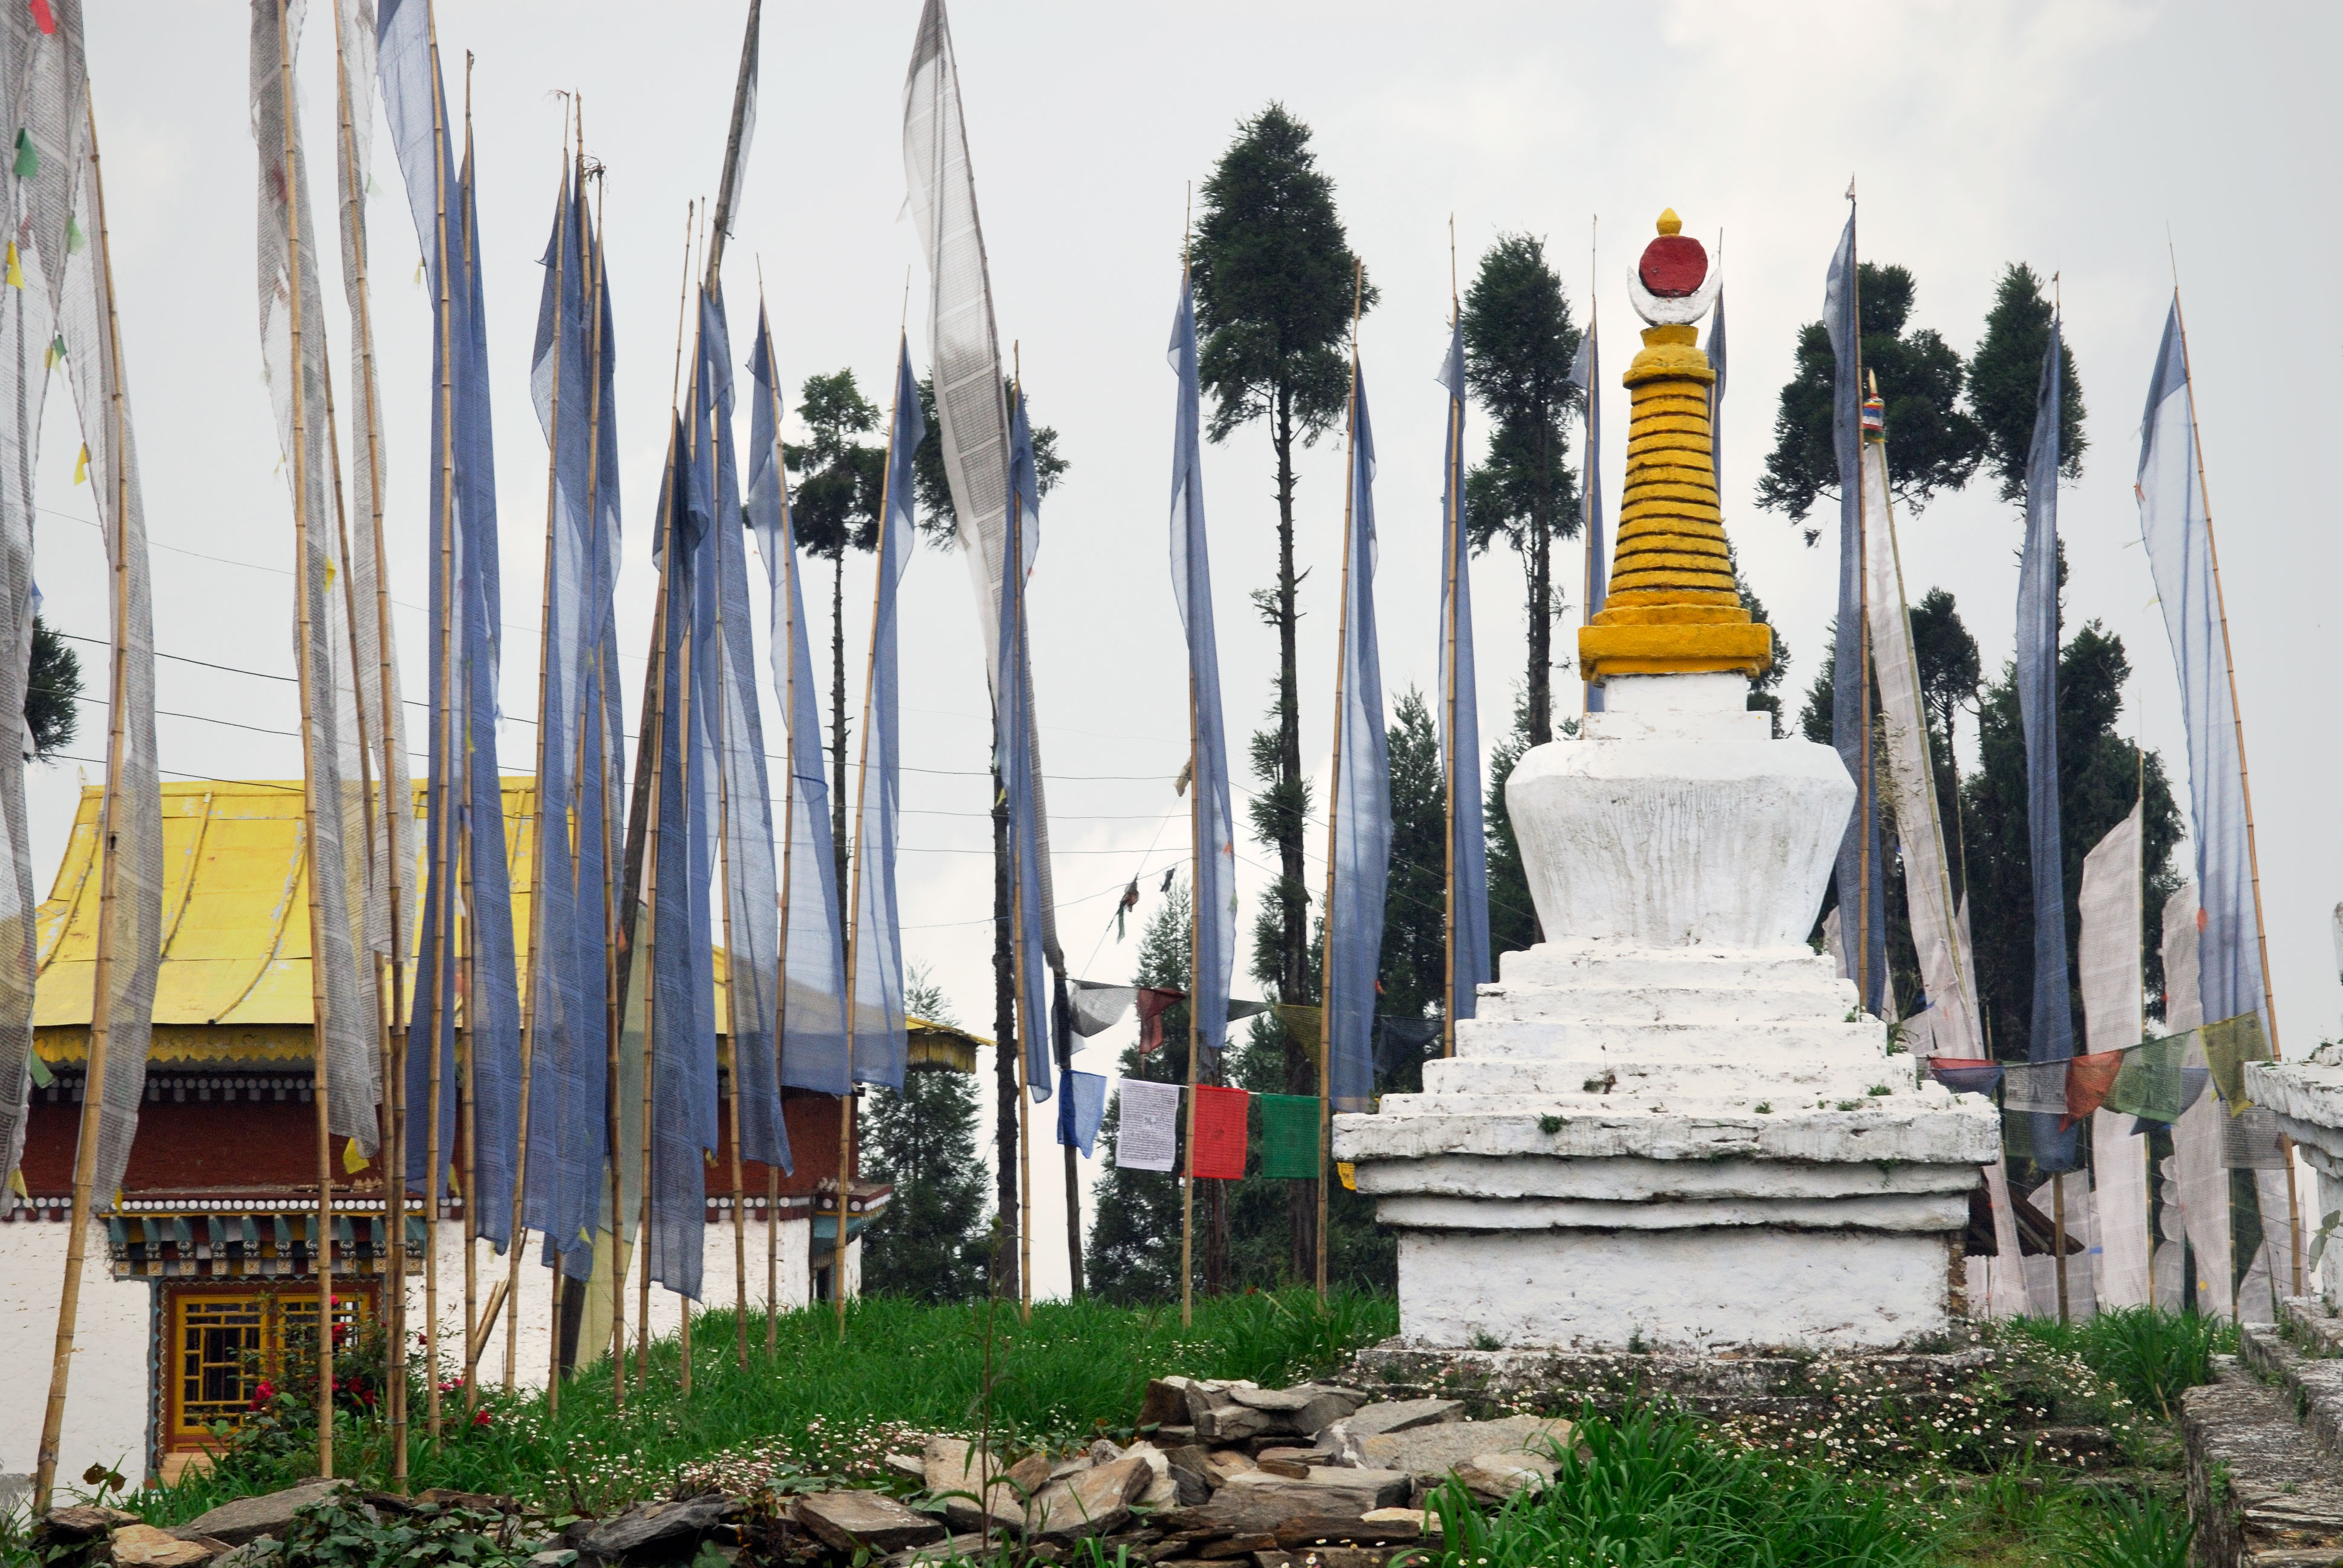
<point x="2262" y="1494"/>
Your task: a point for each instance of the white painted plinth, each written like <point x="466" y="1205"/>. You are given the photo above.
<point x="1695" y="1289"/>
<point x="1668" y="1125"/>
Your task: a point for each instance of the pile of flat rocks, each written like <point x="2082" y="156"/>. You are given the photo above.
<point x="1224" y="1473"/>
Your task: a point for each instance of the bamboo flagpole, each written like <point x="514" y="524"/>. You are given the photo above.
<point x="397" y="794"/>
<point x="860" y="852"/>
<point x="101" y="1000"/>
<point x="788" y="571"/>
<point x="539" y="827"/>
<point x="1335" y="785"/>
<point x="443" y="810"/>
<point x="2245" y="774"/>
<point x="321" y="1239"/>
<point x="468" y="1032"/>
<point x="1014" y="567"/>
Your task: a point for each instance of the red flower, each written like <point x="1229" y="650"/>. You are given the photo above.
<point x="480" y="1418"/>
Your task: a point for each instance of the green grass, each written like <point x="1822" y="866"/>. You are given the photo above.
<point x="2152" y="1355"/>
<point x="1654" y="1489"/>
<point x="823" y="1407"/>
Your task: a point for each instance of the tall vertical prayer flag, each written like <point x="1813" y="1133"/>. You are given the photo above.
<point x="293" y="323"/>
<point x="813" y="945"/>
<point x="1012" y="696"/>
<point x="2052" y="1037"/>
<point x="1359" y="807"/>
<point x="876" y="980"/>
<point x="568" y="1018"/>
<point x="1862" y="878"/>
<point x="1586" y="374"/>
<point x="752" y="938"/>
<point x="1714" y="349"/>
<point x="680" y="1033"/>
<point x="2177" y="527"/>
<point x="1213" y="962"/>
<point x="2113" y="980"/>
<point x="965" y="343"/>
<point x="1460" y="718"/>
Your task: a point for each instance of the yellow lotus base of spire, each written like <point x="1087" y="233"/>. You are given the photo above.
<point x="1672" y="608"/>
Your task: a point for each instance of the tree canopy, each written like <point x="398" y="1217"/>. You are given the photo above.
<point x="2006" y="384"/>
<point x="835" y="505"/>
<point x="1518" y="345"/>
<point x="930" y="1242"/>
<point x="52" y="686"/>
<point x="1935" y="444"/>
<point x="1274" y="274"/>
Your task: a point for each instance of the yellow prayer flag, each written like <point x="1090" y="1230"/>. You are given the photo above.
<point x="1348" y="1173"/>
<point x="81" y="467"/>
<point x="16" y="269"/>
<point x="353" y="1160"/>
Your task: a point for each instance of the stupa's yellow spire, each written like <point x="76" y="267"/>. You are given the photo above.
<point x="1672" y="608"/>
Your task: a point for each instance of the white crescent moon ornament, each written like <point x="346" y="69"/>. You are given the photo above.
<point x="1681" y="312"/>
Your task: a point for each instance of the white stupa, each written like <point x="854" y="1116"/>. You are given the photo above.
<point x="1669" y="1124"/>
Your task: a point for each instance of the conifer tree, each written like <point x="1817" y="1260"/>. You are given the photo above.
<point x="1518" y="344"/>
<point x="834" y="508"/>
<point x="1937" y="445"/>
<point x="929" y="1242"/>
<point x="1277" y="288"/>
<point x="52" y="686"/>
<point x="2005" y="383"/>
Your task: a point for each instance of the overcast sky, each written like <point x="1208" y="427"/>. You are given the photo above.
<point x="2074" y="138"/>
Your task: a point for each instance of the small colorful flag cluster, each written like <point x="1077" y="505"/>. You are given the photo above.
<point x="2151" y="1080"/>
<point x="1291" y="1126"/>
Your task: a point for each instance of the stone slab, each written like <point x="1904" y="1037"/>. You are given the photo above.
<point x="242" y="1519"/>
<point x="144" y="1546"/>
<point x="1430" y="1452"/>
<point x="1095" y="1503"/>
<point x="854" y="1520"/>
<point x="665" y="1526"/>
<point x="1326" y="1489"/>
<point x="1385" y="1415"/>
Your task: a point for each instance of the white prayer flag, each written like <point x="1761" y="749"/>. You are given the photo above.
<point x="2112" y="985"/>
<point x="1150" y="1135"/>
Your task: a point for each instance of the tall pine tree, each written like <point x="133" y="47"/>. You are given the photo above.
<point x="1277" y="289"/>
<point x="1518" y="345"/>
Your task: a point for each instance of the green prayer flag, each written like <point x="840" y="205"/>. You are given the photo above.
<point x="1289" y="1136"/>
<point x="28" y="156"/>
<point x="73" y="235"/>
<point x="1307" y="1025"/>
<point x="2228" y="1046"/>
<point x="2150" y="1083"/>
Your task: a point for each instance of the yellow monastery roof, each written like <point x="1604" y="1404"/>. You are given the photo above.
<point x="234" y="977"/>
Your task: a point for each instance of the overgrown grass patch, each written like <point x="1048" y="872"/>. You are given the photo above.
<point x="822" y="1406"/>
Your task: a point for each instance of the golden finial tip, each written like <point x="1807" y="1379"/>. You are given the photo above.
<point x="1670" y="222"/>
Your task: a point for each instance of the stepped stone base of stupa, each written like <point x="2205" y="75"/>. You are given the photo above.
<point x="1671" y="1126"/>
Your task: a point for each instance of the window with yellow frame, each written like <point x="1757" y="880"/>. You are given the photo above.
<point x="226" y="1342"/>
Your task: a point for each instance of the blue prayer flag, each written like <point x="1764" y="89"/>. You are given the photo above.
<point x="1012" y="686"/>
<point x="2179" y="529"/>
<point x="1080" y="1108"/>
<point x="1862" y="877"/>
<point x="877" y="1048"/>
<point x="2053" y="1033"/>
<point x="1359" y="806"/>
<point x="1213" y="865"/>
<point x="1460" y="720"/>
<point x="813" y="941"/>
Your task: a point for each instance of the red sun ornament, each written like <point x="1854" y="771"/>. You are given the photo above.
<point x="1674" y="265"/>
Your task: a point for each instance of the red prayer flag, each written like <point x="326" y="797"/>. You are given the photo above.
<point x="1153" y="1003"/>
<point x="2088" y="1079"/>
<point x="1219" y="1151"/>
<point x="42" y="18"/>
